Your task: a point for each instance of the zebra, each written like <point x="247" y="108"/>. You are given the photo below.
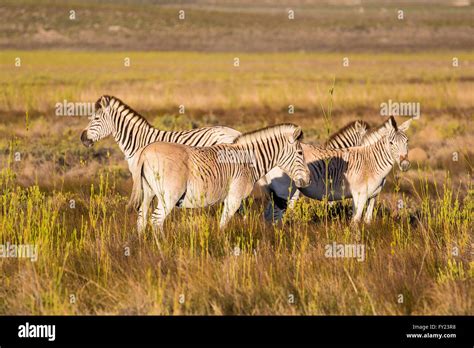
<point x="356" y="172"/>
<point x="132" y="131"/>
<point x="191" y="177"/>
<point x="351" y="134"/>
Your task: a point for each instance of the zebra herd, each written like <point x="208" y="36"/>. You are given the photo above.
<point x="205" y="166"/>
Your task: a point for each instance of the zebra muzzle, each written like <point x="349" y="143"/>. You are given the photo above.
<point x="85" y="140"/>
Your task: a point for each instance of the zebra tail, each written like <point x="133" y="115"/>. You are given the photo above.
<point x="136" y="197"/>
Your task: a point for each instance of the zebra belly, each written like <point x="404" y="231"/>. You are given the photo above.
<point x="200" y="196"/>
<point x="334" y="188"/>
<point x="319" y="192"/>
<point x="370" y="187"/>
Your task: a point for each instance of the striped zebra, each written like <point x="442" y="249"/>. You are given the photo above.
<point x="356" y="172"/>
<point x="191" y="177"/>
<point x="132" y="132"/>
<point x="350" y="135"/>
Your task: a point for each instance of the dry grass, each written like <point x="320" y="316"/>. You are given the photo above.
<point x="263" y="86"/>
<point x="250" y="268"/>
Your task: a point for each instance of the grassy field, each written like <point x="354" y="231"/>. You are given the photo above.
<point x="71" y="201"/>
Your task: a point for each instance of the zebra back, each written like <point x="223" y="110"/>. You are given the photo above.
<point x="275" y="146"/>
<point x="132" y="131"/>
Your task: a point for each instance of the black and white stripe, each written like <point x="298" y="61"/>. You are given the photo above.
<point x="132" y="132"/>
<point x="352" y="134"/>
<point x="355" y="172"/>
<point x="191" y="177"/>
<point x="348" y="136"/>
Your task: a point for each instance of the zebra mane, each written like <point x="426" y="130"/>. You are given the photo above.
<point x="269" y="132"/>
<point x="375" y="134"/>
<point x="347" y="129"/>
<point x="118" y="105"/>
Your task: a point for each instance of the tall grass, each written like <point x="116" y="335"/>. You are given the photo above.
<point x="92" y="261"/>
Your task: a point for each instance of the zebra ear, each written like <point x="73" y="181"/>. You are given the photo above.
<point x="392" y="122"/>
<point x="405" y="125"/>
<point x="297" y="135"/>
<point x="97" y="104"/>
<point x="102" y="102"/>
<point x="361" y="128"/>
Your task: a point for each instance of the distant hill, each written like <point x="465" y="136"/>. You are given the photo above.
<point x="251" y="26"/>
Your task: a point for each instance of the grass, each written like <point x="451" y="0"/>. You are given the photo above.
<point x="92" y="253"/>
<point x="70" y="201"/>
<point x="46" y="78"/>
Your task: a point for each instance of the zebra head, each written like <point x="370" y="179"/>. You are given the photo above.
<point x="293" y="163"/>
<point x="398" y="142"/>
<point x="100" y="124"/>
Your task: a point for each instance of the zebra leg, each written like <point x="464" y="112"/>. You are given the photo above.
<point x="231" y="205"/>
<point x="166" y="202"/>
<point x="278" y="189"/>
<point x="294" y="199"/>
<point x="273" y="213"/>
<point x="242" y="210"/>
<point x="371" y="203"/>
<point x="158" y="217"/>
<point x="143" y="210"/>
<point x="369" y="210"/>
<point x="262" y="183"/>
<point x="358" y="203"/>
<point x="238" y="191"/>
<point x="277" y="206"/>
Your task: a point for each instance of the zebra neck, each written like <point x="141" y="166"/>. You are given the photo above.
<point x="262" y="162"/>
<point x="132" y="134"/>
<point x="383" y="158"/>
